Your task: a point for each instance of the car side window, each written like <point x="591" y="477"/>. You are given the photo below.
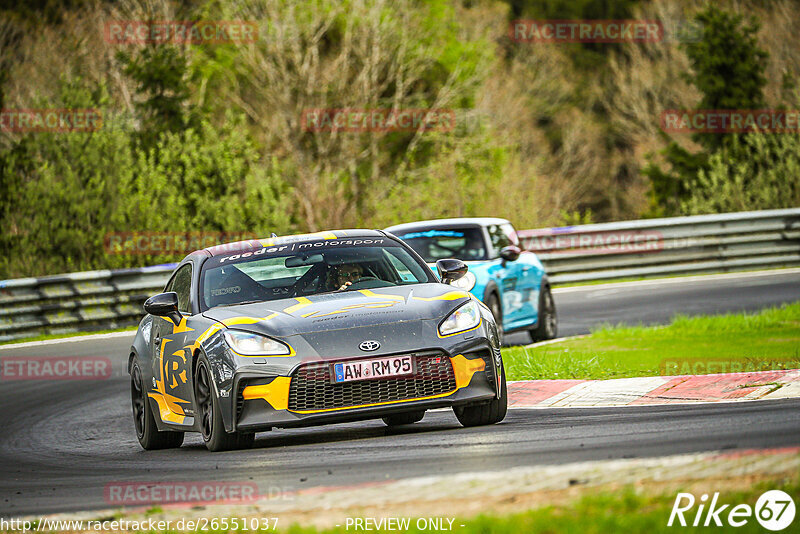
<point x="402" y="269"/>
<point x="511" y="234"/>
<point x="498" y="237"/>
<point x="181" y="284"/>
<point x="170" y="285"/>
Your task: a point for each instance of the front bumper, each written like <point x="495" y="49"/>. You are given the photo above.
<point x="263" y="402"/>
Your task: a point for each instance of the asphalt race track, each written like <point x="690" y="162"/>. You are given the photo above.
<point x="61" y="442"/>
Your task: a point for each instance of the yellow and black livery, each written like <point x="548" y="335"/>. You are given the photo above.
<point x="246" y="337"/>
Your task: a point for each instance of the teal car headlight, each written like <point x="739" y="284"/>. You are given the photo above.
<point x="463" y="318"/>
<point x="249" y="344"/>
<point x="466" y="282"/>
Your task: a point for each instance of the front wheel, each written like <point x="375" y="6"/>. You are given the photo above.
<point x="487" y="413"/>
<point x="211" y="426"/>
<point x="547" y="325"/>
<point x="150" y="438"/>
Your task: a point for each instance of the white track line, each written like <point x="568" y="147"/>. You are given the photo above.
<point x="548" y="342"/>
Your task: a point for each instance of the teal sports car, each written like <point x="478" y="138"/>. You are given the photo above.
<point x="511" y="282"/>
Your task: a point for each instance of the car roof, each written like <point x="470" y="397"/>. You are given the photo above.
<point x="255" y="244"/>
<point x="447" y="223"/>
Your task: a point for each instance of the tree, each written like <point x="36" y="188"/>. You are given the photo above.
<point x="753" y="171"/>
<point x="72" y="189"/>
<point x="585" y="55"/>
<point x="728" y="68"/>
<point x="328" y="54"/>
<point x="5" y="186"/>
<point x="65" y="192"/>
<point x="160" y="74"/>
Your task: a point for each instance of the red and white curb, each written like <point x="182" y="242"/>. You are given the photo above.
<point x="760" y="385"/>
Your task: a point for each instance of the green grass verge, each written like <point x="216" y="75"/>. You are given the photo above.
<point x="766" y="340"/>
<point x="626" y="511"/>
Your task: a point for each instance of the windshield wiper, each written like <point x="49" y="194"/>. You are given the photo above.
<point x="241" y="303"/>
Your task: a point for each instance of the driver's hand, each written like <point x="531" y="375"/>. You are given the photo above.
<point x="345" y="286"/>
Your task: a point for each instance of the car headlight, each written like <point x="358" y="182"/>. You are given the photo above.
<point x="254" y="344"/>
<point x="463" y="318"/>
<point x="466" y="282"/>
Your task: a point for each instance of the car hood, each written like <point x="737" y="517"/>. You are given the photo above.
<point x="335" y="311"/>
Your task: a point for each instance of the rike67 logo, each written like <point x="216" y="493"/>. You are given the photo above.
<point x="774" y="510"/>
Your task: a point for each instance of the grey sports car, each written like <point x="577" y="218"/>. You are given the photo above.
<point x="307" y="330"/>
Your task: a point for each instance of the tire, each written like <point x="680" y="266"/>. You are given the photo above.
<point x="493" y="303"/>
<point x="150" y="438"/>
<point x="404" y="418"/>
<point x="547" y="325"/>
<point x="211" y="426"/>
<point x="487" y="413"/>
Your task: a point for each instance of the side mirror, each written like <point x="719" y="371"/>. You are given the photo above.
<point x="451" y="270"/>
<point x="164" y="305"/>
<point x="510" y="253"/>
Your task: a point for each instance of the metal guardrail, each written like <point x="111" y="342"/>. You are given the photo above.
<point x="77" y="302"/>
<point x="97" y="300"/>
<point x="665" y="247"/>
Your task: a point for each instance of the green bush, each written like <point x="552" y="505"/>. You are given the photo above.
<point x="63" y="194"/>
<point x="752" y="172"/>
<point x="69" y="190"/>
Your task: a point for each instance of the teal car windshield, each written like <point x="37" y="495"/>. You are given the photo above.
<point x="463" y="243"/>
<point x="256" y="276"/>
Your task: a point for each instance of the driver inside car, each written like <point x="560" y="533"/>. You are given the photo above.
<point x="344" y="275"/>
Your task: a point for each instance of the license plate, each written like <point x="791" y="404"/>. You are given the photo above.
<point x="370" y="369"/>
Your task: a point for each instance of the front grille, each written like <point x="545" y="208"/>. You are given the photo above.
<point x="311" y="387"/>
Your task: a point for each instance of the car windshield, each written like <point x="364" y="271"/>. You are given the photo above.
<point x="306" y="269"/>
<point x="462" y="243"/>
